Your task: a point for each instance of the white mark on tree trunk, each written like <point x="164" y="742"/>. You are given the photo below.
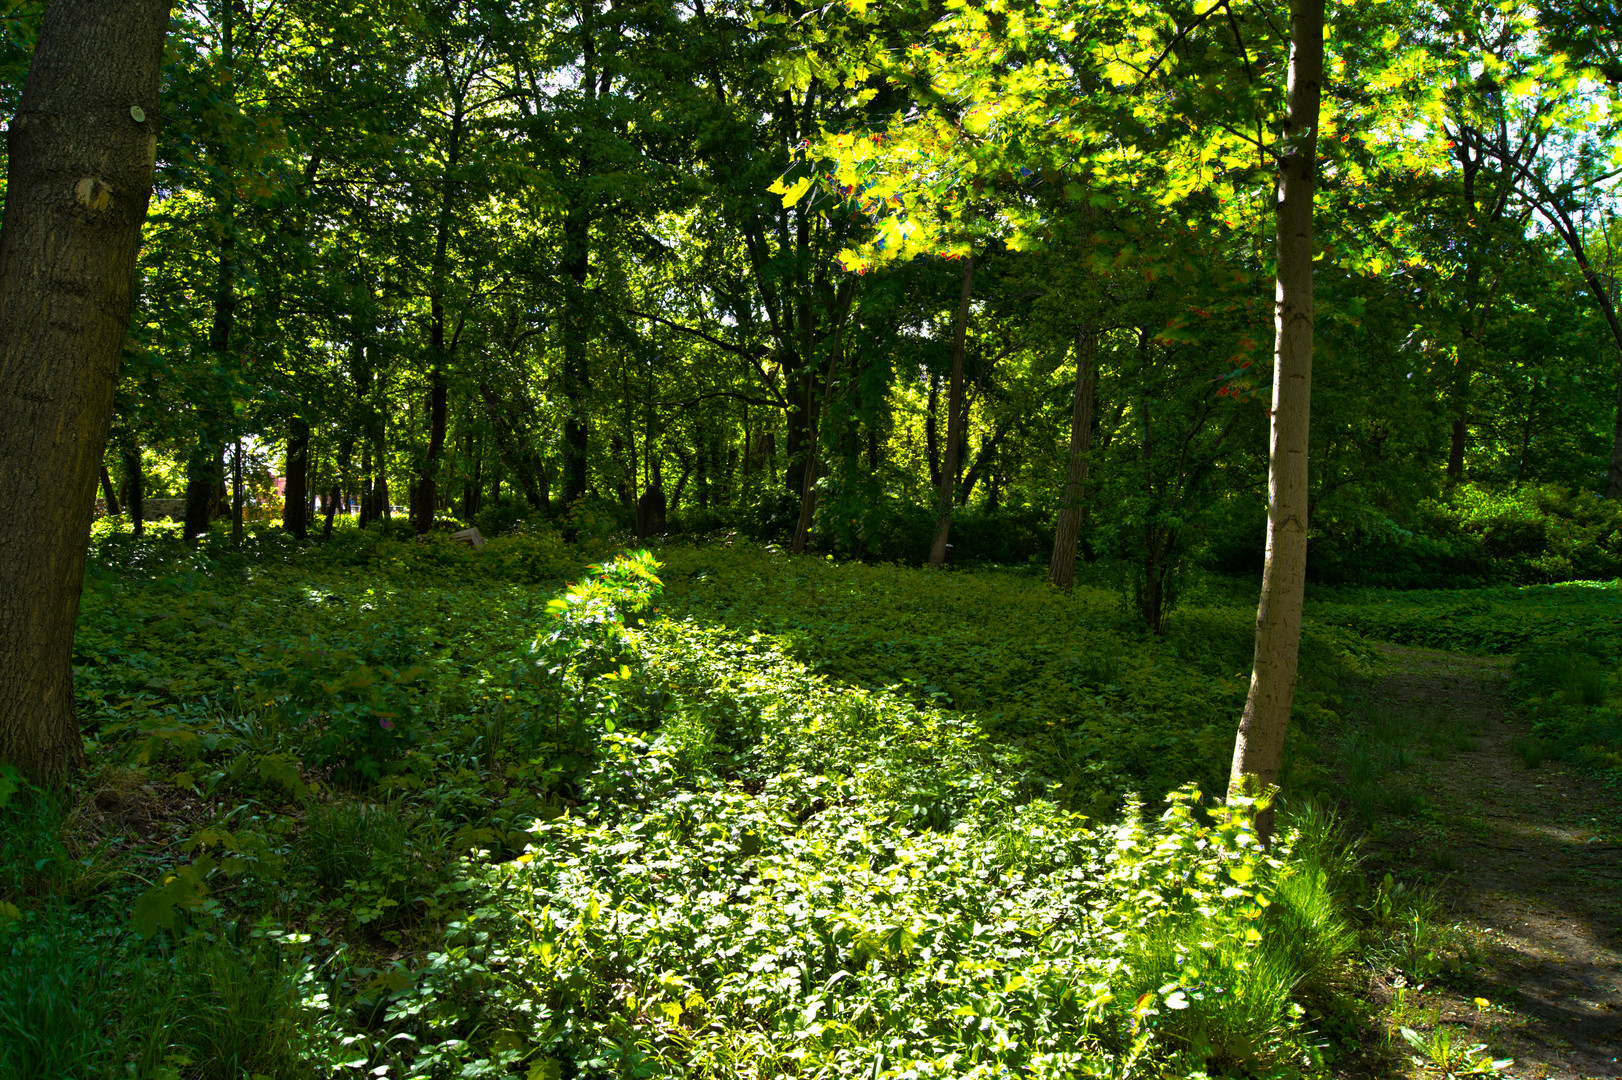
<point x="93" y="193"/>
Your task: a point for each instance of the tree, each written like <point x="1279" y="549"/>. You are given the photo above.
<point x="1259" y="748"/>
<point x="79" y="176"/>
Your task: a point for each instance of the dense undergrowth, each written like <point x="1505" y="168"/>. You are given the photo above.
<point x="409" y="809"/>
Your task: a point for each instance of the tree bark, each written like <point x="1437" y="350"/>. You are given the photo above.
<point x="932" y="449"/>
<point x="1062" y="567"/>
<point x="108" y="494"/>
<point x="576" y="269"/>
<point x="1259" y="748"/>
<point x="236" y="492"/>
<point x="473" y="474"/>
<point x="134" y="485"/>
<point x="813" y="461"/>
<point x="298" y="478"/>
<point x="205" y="468"/>
<point x="954" y="419"/>
<point x="205" y="472"/>
<point x="78" y="180"/>
<point x="427" y="500"/>
<point x="1455" y="449"/>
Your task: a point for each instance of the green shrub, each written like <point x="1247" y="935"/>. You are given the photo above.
<point x="497" y="516"/>
<point x="1473" y="536"/>
<point x="1569" y="691"/>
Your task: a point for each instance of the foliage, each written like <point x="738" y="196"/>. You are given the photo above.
<point x="1489" y="620"/>
<point x="715" y="809"/>
<point x="1474" y="535"/>
<point x="727" y="833"/>
<point x="1568" y="684"/>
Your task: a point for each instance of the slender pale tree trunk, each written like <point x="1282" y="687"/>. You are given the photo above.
<point x="1259" y="749"/>
<point x="78" y="179"/>
<point x="954" y="420"/>
<point x="1062" y="569"/>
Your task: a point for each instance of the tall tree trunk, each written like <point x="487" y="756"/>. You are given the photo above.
<point x="576" y="268"/>
<point x="377" y="432"/>
<point x="813" y="462"/>
<point x="298" y="478"/>
<point x="519" y="461"/>
<point x="473" y="474"/>
<point x="1062" y="568"/>
<point x="1455" y="449"/>
<point x="954" y="419"/>
<point x="346" y="447"/>
<point x="427" y="494"/>
<point x="1259" y="748"/>
<point x="205" y="470"/>
<point x="108" y="494"/>
<point x="134" y="484"/>
<point x="236" y="492"/>
<point x="78" y="178"/>
<point x="366" y="516"/>
<point x="932" y="448"/>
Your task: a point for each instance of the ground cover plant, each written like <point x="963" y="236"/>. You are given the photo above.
<point x="434" y="818"/>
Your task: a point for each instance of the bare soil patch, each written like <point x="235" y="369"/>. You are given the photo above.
<point x="1527" y="860"/>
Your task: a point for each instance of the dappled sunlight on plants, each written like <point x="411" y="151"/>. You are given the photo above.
<point x="725" y="813"/>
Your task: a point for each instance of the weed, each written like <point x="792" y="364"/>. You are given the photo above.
<point x="1571" y="678"/>
<point x="343" y="842"/>
<point x="1532" y="750"/>
<point x="1449" y="1050"/>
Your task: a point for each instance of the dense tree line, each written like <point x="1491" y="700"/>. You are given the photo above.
<point x="454" y="256"/>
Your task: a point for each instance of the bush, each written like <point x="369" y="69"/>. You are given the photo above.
<point x="769" y="515"/>
<point x="1472" y="536"/>
<point x="498" y="516"/>
<point x="1011" y="535"/>
<point x="698" y="521"/>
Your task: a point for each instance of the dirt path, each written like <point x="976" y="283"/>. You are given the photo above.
<point x="1528" y="860"/>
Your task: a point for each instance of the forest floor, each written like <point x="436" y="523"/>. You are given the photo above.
<point x="1526" y="861"/>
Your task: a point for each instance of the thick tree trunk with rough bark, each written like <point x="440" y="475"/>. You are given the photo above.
<point x="954" y="420"/>
<point x="78" y="179"/>
<point x="205" y="472"/>
<point x="1259" y="749"/>
<point x="1062" y="567"/>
